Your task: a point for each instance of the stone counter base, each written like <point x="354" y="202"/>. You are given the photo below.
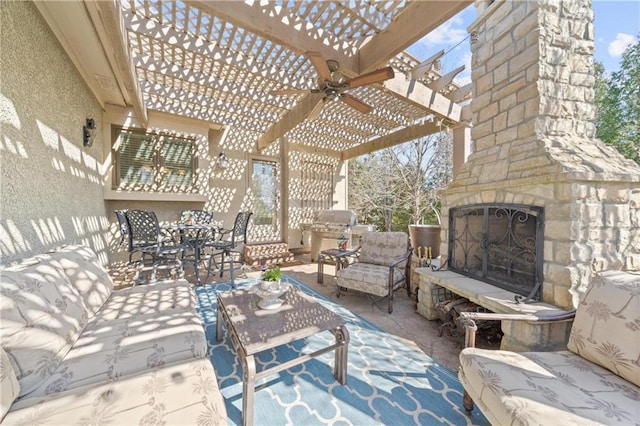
<point x="518" y="336"/>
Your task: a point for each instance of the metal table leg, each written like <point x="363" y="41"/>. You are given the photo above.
<point x="321" y="259"/>
<point x="341" y="354"/>
<point x="248" y="389"/>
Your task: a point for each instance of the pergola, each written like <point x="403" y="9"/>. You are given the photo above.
<point x="220" y="61"/>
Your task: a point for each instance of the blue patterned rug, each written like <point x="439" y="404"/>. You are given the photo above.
<point x="389" y="382"/>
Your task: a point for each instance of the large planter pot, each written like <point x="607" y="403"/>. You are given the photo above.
<point x="425" y="236"/>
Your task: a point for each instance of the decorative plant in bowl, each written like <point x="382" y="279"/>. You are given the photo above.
<point x="270" y="280"/>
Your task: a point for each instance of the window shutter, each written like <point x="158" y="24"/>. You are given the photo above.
<point x="136" y="159"/>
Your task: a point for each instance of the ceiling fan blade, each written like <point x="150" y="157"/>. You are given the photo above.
<point x="356" y="103"/>
<point x="315" y="112"/>
<point x="289" y="92"/>
<point x="371" y="77"/>
<point x="320" y="65"/>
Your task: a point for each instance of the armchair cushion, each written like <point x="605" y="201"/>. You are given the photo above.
<point x="382" y="248"/>
<point x="608" y="314"/>
<point x="546" y="387"/>
<point x="372" y="279"/>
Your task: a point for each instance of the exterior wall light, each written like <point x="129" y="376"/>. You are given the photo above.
<point x="88" y="132"/>
<point x="223" y="161"/>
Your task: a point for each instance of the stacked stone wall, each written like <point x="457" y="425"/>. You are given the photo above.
<point x="533" y="115"/>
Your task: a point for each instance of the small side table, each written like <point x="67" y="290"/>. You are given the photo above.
<point x="336" y="256"/>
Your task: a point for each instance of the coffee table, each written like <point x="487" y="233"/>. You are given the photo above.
<point x="253" y="330"/>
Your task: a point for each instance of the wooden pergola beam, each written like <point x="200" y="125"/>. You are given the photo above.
<point x="445" y="80"/>
<point x="418" y="19"/>
<point x="423" y="97"/>
<point x="112" y="23"/>
<point x="392" y="139"/>
<point x="290" y="120"/>
<point x="272" y="27"/>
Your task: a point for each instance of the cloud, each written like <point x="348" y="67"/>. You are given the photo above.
<point x="620" y="44"/>
<point x="446" y="33"/>
<point x="465" y="76"/>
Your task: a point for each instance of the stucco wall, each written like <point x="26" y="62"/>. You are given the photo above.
<point x="50" y="185"/>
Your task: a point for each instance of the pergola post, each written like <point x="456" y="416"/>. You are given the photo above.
<point x="461" y="145"/>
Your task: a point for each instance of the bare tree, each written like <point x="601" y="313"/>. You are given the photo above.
<point x="400" y="185"/>
<point x="423" y="168"/>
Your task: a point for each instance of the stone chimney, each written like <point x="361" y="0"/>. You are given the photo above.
<point x="533" y="117"/>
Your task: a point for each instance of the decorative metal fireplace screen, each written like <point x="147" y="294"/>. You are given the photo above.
<point x="500" y="244"/>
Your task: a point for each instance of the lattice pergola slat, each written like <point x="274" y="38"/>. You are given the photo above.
<point x="200" y="57"/>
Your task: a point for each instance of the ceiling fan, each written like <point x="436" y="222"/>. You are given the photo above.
<point x="334" y="85"/>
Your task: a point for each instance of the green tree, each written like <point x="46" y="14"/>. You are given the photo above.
<point x="618" y="102"/>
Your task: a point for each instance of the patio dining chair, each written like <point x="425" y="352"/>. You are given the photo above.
<point x="199" y="216"/>
<point x="125" y="234"/>
<point x="147" y="237"/>
<point x="380" y="266"/>
<point x="230" y="243"/>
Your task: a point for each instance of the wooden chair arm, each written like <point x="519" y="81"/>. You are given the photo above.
<point x="469" y="320"/>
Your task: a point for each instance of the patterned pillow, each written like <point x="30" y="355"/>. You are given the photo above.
<point x="9" y="386"/>
<point x="42" y="316"/>
<point x="606" y="329"/>
<point x="86" y="274"/>
<point x="382" y="248"/>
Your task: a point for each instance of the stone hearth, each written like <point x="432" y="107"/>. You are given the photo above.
<point x="533" y="134"/>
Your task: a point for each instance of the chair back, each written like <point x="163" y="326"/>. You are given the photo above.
<point x="143" y="228"/>
<point x="239" y="234"/>
<point x="202" y="217"/>
<point x="381" y="248"/>
<point x="123" y="227"/>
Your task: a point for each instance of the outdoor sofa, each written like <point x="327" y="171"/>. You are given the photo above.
<point x="74" y="351"/>
<point x="595" y="381"/>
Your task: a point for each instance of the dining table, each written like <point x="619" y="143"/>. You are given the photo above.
<point x="194" y="237"/>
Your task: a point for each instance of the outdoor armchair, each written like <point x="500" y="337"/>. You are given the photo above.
<point x="380" y="266"/>
<point x="594" y="380"/>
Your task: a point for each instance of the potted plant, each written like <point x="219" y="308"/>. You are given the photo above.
<point x="270" y="279"/>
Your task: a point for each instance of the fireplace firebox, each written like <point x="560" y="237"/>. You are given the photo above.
<point x="500" y="244"/>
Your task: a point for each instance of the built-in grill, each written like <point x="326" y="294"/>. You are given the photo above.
<point x="329" y="225"/>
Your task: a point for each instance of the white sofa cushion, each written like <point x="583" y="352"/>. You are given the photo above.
<point x="559" y="388"/>
<point x="146" y="299"/>
<point x="86" y="274"/>
<point x="605" y="329"/>
<point x="42" y="316"/>
<point x="182" y="393"/>
<point x="382" y="248"/>
<point x="107" y="350"/>
<point x="9" y="386"/>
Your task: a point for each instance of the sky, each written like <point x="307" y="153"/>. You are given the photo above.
<point x="616" y="25"/>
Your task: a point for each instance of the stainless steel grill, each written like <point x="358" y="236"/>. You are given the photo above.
<point x="328" y="225"/>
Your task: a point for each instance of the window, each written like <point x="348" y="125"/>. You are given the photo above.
<point x="265" y="189"/>
<point x="153" y="161"/>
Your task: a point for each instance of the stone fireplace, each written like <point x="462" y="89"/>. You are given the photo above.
<point x="500" y="244"/>
<point x="533" y="133"/>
